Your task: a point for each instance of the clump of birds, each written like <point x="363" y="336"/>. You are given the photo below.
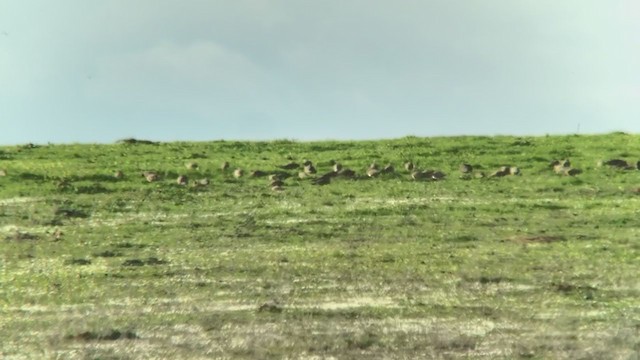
<point x="307" y="171"/>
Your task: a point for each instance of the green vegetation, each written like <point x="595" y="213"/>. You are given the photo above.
<point x="536" y="266"/>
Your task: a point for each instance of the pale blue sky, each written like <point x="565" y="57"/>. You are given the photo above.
<point x="98" y="71"/>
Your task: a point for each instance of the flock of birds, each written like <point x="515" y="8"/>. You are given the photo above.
<point x="307" y="170"/>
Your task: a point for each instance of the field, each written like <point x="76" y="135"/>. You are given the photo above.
<point x="534" y="266"/>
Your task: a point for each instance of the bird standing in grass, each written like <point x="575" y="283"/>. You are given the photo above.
<point x="238" y="173"/>
<point x="466" y="168"/>
<point x="388" y="169"/>
<point x="310" y="169"/>
<point x="225" y="165"/>
<point x="409" y="166"/>
<point x="151" y="176"/>
<point x="373" y="170"/>
<point x="202" y="182"/>
<point x="182" y="180"/>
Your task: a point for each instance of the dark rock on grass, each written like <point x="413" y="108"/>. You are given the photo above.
<point x="78" y="262"/>
<point x="110" y="335"/>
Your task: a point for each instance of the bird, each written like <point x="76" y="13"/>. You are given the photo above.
<point x="337" y="167"/>
<point x="422" y="175"/>
<point x="558" y="166"/>
<point x="225" y="165"/>
<point x="276" y="182"/>
<point x="618" y="163"/>
<point x="503" y="171"/>
<point x="307" y="163"/>
<point x="182" y="180"/>
<point x="323" y="180"/>
<point x="438" y="175"/>
<point x="466" y="168"/>
<point x="388" y="169"/>
<point x="238" y="173"/>
<point x="151" y="176"/>
<point x="191" y="165"/>
<point x="347" y="173"/>
<point x="257" y="173"/>
<point x="514" y="170"/>
<point x="202" y="182"/>
<point x="290" y="166"/>
<point x="409" y="166"/>
<point x="118" y="174"/>
<point x="572" y="171"/>
<point x="373" y="172"/>
<point x="310" y="169"/>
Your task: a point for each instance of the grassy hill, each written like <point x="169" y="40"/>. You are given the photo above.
<point x="532" y="266"/>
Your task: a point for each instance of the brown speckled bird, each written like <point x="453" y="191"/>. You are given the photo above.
<point x="151" y="176"/>
<point x="182" y="180"/>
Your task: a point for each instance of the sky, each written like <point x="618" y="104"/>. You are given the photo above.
<point x="99" y="71"/>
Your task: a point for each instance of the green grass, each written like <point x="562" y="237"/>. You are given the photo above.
<point x="534" y="266"/>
